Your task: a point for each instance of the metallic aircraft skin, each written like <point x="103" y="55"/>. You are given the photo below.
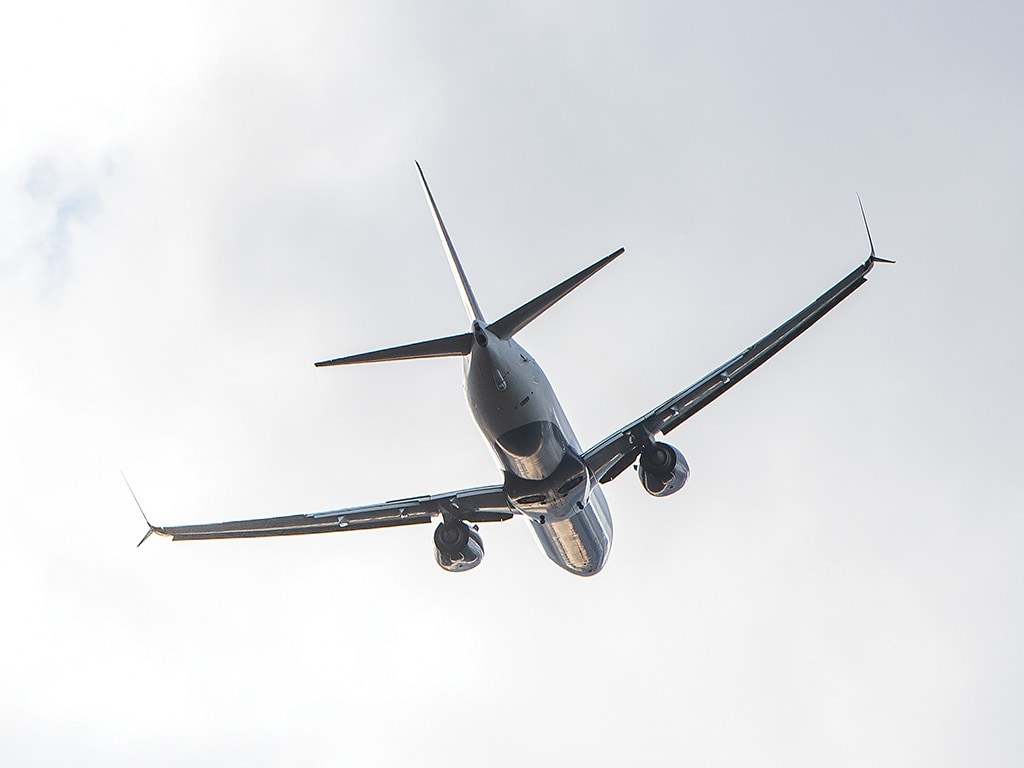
<point x="547" y="477"/>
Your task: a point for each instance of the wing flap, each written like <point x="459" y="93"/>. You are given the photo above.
<point x="676" y="411"/>
<point x="618" y="451"/>
<point x="473" y="505"/>
<point x="293" y="525"/>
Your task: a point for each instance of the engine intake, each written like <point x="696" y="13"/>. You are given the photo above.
<point x="662" y="469"/>
<point x="457" y="547"/>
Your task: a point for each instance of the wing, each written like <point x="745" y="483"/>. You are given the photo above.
<point x="473" y="505"/>
<point x="611" y="456"/>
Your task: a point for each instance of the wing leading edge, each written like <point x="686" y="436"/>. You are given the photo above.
<point x="618" y="451"/>
<point x="473" y="505"/>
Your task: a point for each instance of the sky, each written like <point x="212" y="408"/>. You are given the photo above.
<point x="199" y="200"/>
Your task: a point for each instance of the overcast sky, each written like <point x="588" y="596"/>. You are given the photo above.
<point x="196" y="203"/>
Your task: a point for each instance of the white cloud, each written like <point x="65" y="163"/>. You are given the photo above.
<point x="196" y="203"/>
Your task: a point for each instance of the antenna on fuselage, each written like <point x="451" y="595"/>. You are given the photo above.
<point x="468" y="299"/>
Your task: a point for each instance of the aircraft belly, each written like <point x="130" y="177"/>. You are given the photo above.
<point x="533" y="450"/>
<point x="580" y="544"/>
<point x="515" y="408"/>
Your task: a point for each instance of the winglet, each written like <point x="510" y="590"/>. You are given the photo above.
<point x="872" y="256"/>
<point x="152" y="528"/>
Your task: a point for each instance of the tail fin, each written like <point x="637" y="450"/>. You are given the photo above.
<point x="446" y="347"/>
<point x="462" y="344"/>
<point x="468" y="299"/>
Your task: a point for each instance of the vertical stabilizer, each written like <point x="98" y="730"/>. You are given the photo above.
<point x="468" y="299"/>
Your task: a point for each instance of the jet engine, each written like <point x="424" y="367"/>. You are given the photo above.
<point x="457" y="547"/>
<point x="662" y="469"/>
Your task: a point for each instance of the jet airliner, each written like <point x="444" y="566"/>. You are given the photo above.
<point x="547" y="478"/>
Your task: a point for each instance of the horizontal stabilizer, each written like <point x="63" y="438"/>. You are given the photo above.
<point x="517" y="319"/>
<point x="449" y="346"/>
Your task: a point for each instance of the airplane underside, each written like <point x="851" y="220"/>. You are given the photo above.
<point x="547" y="478"/>
<point x="581" y="543"/>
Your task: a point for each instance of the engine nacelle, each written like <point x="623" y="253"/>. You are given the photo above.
<point x="662" y="469"/>
<point x="457" y="547"/>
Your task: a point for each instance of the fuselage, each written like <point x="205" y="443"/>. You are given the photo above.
<point x="545" y="478"/>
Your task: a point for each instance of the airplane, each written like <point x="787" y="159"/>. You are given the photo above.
<point x="547" y="478"/>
